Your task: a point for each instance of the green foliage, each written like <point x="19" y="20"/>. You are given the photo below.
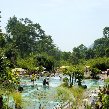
<point x="107" y="52"/>
<point x="27" y="46"/>
<point x="78" y="53"/>
<point x="106" y="32"/>
<point x="17" y="99"/>
<point x="8" y="79"/>
<point x="94" y="72"/>
<point x="65" y="80"/>
<point x="64" y="63"/>
<point x="24" y="34"/>
<point x="78" y="75"/>
<point x="99" y="63"/>
<point x="65" y="56"/>
<point x="77" y="93"/>
<point x="105" y="101"/>
<point x="73" y="95"/>
<point x="27" y="63"/>
<point x="45" y="61"/>
<point x="11" y="55"/>
<point x="28" y="37"/>
<point x="64" y="94"/>
<point x="89" y="54"/>
<point x="40" y="69"/>
<point x="101" y="45"/>
<point x="107" y="80"/>
<point x="2" y="41"/>
<point x="73" y="72"/>
<point x="104" y="97"/>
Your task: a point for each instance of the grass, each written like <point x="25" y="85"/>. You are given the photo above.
<point x="76" y="92"/>
<point x="106" y="80"/>
<point x="17" y="98"/>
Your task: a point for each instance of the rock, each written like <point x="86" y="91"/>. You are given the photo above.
<point x="20" y="89"/>
<point x="84" y="86"/>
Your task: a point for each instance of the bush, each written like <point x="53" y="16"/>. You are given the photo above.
<point x="65" y="80"/>
<point x="94" y="72"/>
<point x="84" y="86"/>
<point x="97" y="77"/>
<point x="99" y="63"/>
<point x="18" y="100"/>
<point x="20" y="89"/>
<point x="106" y="80"/>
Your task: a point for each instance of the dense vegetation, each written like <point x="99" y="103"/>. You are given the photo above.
<point x="24" y="40"/>
<point x="25" y="44"/>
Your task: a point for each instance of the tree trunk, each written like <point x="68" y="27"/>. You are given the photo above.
<point x="72" y="80"/>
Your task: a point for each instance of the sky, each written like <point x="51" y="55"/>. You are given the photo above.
<point x="69" y="22"/>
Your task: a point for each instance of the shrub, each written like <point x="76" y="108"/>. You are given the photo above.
<point x="65" y="80"/>
<point x="94" y="72"/>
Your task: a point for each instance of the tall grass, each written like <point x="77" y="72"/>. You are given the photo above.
<point x="17" y="99"/>
<point x="73" y="94"/>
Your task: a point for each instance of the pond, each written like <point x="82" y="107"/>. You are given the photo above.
<point x="39" y="94"/>
<point x="91" y="83"/>
<point x="34" y="96"/>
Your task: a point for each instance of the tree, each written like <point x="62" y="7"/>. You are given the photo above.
<point x="102" y="44"/>
<point x="78" y="53"/>
<point x="90" y="53"/>
<point x="65" y="56"/>
<point x="106" y="32"/>
<point x="24" y="34"/>
<point x="29" y="38"/>
<point x="11" y="55"/>
<point x="107" y="52"/>
<point x="2" y="41"/>
<point x="94" y="72"/>
<point x="45" y="61"/>
<point x="27" y="63"/>
<point x="78" y="75"/>
<point x="99" y="46"/>
<point x="68" y="70"/>
<point x="8" y="79"/>
<point x="73" y="72"/>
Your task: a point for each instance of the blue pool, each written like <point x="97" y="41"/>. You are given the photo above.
<point x="38" y="95"/>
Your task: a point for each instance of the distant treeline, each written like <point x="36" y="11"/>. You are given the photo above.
<point x="25" y="44"/>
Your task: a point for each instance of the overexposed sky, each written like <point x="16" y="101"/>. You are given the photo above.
<point x="69" y="22"/>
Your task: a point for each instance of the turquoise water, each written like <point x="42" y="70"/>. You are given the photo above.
<point x="91" y="83"/>
<point x="34" y="96"/>
<point x="46" y="96"/>
<point x="53" y="81"/>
